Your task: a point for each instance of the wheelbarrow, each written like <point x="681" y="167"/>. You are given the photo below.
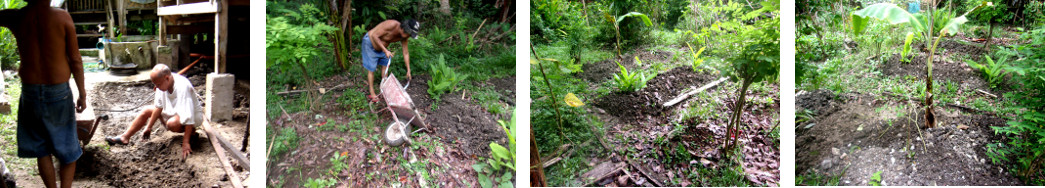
<point x="85" y="127"/>
<point x="401" y="106"/>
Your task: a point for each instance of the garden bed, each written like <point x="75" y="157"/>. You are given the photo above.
<point x="850" y="136"/>
<point x="458" y="136"/>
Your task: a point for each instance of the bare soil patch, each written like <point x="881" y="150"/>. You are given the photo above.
<point x="850" y="137"/>
<point x="644" y="106"/>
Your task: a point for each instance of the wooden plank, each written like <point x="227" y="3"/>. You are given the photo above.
<point x="221" y="39"/>
<point x="240" y="158"/>
<point x="188" y="29"/>
<point x="233" y="176"/>
<point x="191" y="8"/>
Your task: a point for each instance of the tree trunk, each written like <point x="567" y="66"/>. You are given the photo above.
<point x="990" y="32"/>
<point x="444" y="6"/>
<point x="732" y="131"/>
<point x="536" y="172"/>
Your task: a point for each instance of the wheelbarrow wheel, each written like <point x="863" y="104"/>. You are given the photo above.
<point x="396" y="133"/>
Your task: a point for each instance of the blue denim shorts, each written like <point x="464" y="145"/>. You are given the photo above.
<point x="47" y="123"/>
<point x="371" y="58"/>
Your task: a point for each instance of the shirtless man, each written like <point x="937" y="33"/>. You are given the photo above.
<point x="46" y="113"/>
<point x="375" y="48"/>
<point x="175" y="103"/>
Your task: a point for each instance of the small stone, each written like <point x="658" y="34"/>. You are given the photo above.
<point x="835" y="151"/>
<point x="963" y="127"/>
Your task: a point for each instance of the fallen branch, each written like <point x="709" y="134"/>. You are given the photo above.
<point x="686" y="95"/>
<point x="986" y="93"/>
<point x="477" y="30"/>
<point x="551" y="162"/>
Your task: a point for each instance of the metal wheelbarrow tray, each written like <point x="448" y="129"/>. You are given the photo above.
<point x="401" y="106"/>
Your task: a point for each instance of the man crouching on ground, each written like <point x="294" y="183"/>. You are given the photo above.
<point x="46" y="114"/>
<point x="375" y="48"/>
<point x="176" y="104"/>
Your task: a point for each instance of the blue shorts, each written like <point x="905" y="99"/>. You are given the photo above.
<point x="47" y="123"/>
<point x="372" y="58"/>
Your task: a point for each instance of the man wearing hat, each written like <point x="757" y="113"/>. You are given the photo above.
<point x="375" y="48"/>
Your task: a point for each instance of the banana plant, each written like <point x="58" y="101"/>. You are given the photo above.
<point x="616" y="23"/>
<point x="895" y="15"/>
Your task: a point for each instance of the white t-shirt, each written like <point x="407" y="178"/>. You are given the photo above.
<point x="182" y="102"/>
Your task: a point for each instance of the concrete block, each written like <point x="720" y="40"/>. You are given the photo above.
<point x="5" y="105"/>
<point x="219" y="96"/>
<point x="165" y="55"/>
<point x="140" y="53"/>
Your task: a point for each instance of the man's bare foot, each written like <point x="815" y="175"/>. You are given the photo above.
<point x="115" y="140"/>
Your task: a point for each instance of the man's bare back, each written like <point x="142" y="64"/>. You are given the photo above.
<point x="387" y="32"/>
<point x="46" y="43"/>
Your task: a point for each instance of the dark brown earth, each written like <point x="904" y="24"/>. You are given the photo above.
<point x="957" y="72"/>
<point x="634" y="122"/>
<point x="852" y="138"/>
<point x="459" y="139"/>
<point x="644" y="106"/>
<point x="157" y="161"/>
<point x="463" y="123"/>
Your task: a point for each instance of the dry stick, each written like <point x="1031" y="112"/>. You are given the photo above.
<point x="686" y="95"/>
<point x="480" y="28"/>
<point x="558" y="115"/>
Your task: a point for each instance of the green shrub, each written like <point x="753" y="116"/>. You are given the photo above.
<point x="8" y="47"/>
<point x="444" y="78"/>
<point x="992" y="70"/>
<point x="286" y="139"/>
<point x="629" y="81"/>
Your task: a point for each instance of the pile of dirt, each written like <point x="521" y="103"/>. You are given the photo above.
<point x="645" y="105"/>
<point x="819" y="101"/>
<point x="463" y="122"/>
<point x="957" y="72"/>
<point x="955" y="49"/>
<point x="150" y="164"/>
<point x="857" y="141"/>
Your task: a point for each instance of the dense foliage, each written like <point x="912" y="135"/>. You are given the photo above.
<point x="9" y="48"/>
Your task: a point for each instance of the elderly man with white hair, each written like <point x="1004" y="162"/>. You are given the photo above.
<point x="176" y="104"/>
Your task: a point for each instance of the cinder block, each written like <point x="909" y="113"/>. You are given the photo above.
<point x="219" y="96"/>
<point x="165" y="55"/>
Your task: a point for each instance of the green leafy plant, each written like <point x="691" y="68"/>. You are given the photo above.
<point x="9" y="48"/>
<point x="285" y="139"/>
<point x="906" y="47"/>
<point x="293" y="38"/>
<point x="876" y="179"/>
<point x="499" y="168"/>
<point x="758" y="60"/>
<point x="697" y="61"/>
<point x="616" y="23"/>
<point x="992" y="70"/>
<point x="896" y="15"/>
<point x="337" y="163"/>
<point x="319" y="183"/>
<point x="629" y="81"/>
<point x="444" y="78"/>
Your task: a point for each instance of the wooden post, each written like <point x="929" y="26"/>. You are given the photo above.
<point x="122" y="15"/>
<point x="220" y="32"/>
<point x="161" y="30"/>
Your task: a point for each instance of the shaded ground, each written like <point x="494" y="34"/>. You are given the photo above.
<point x="850" y="136"/>
<point x="602" y="71"/>
<point x="458" y="137"/>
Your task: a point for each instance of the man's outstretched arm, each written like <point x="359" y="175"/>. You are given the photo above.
<point x="75" y="62"/>
<point x="10" y="16"/>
